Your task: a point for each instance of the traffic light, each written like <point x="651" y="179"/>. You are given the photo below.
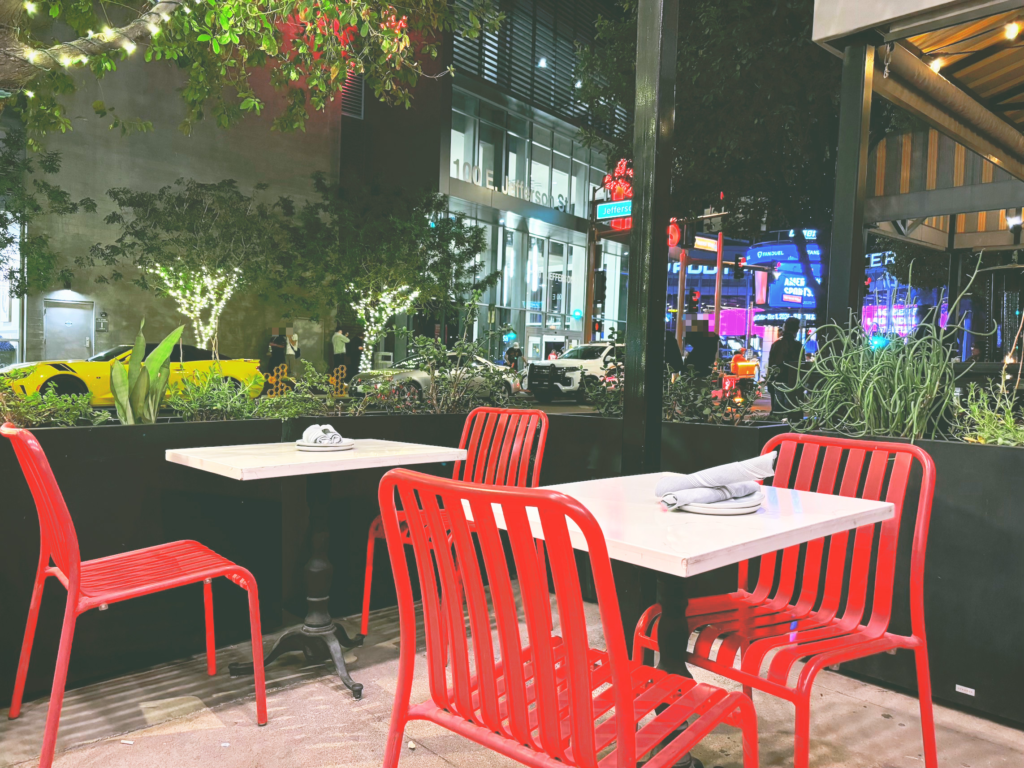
<point x="674" y="234"/>
<point x="693" y="300"/>
<point x="600" y="287"/>
<point x="738" y="271"/>
<point x="598" y="329"/>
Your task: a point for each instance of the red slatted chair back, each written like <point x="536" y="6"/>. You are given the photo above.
<point x="831" y="567"/>
<point x="56" y="530"/>
<point x="517" y="685"/>
<point x="505" y="446"/>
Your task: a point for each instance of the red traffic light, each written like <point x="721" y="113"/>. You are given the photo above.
<point x="674" y="235"/>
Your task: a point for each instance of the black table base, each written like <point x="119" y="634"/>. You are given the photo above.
<point x="320" y="636"/>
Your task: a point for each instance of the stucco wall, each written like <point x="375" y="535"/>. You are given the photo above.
<point x="96" y="159"/>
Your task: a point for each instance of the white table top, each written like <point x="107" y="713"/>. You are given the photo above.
<point x="639" y="529"/>
<point x="267" y="460"/>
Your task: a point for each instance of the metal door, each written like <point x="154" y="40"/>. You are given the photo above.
<point x="67" y="330"/>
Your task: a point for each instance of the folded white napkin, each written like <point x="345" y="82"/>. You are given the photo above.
<point x="719" y="477"/>
<point x="710" y="495"/>
<point x="321" y="435"/>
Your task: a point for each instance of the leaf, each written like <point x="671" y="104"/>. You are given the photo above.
<point x="119" y="386"/>
<point x="160" y="355"/>
<point x="137" y="357"/>
<point x="203" y="38"/>
<point x="137" y="399"/>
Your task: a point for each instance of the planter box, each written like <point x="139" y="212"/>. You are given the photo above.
<point x="974" y="583"/>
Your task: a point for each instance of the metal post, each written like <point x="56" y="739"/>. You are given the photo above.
<point x="718" y="286"/>
<point x="846" y="258"/>
<point x="654" y="121"/>
<point x="681" y="308"/>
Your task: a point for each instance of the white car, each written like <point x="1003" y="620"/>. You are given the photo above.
<point x="409" y="378"/>
<point x="565" y="376"/>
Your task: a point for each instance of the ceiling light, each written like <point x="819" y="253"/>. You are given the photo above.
<point x="1012" y="30"/>
<point x="936" y="64"/>
<point x="543" y="63"/>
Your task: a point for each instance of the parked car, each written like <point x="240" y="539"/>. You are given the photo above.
<point x="566" y="375"/>
<point x="410" y="379"/>
<point x="92" y="376"/>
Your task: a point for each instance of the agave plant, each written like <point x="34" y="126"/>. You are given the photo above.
<point x="140" y="386"/>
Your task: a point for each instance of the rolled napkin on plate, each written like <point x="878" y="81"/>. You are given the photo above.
<point x="736" y="481"/>
<point x="321" y="435"/>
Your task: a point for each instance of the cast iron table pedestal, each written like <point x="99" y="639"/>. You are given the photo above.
<point x="319" y="636"/>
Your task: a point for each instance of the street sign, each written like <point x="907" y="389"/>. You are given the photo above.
<point x="706" y="243"/>
<point x="615" y="210"/>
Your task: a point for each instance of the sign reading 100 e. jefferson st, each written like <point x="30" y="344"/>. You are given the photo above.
<point x="474" y="174"/>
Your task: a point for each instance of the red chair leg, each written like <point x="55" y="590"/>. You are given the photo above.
<point x="364" y="628"/>
<point x="748" y="726"/>
<point x="211" y="643"/>
<point x="249" y="584"/>
<point x="924" y="695"/>
<point x="26" y="644"/>
<point x="802" y="741"/>
<point x="60" y="677"/>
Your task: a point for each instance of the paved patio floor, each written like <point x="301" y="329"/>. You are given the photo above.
<point x="175" y="716"/>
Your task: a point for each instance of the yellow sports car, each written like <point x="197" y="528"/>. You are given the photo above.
<point x="77" y="377"/>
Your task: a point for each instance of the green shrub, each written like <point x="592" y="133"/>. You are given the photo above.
<point x="312" y="395"/>
<point x="988" y="416"/>
<point x="208" y="396"/>
<point x="44" y="410"/>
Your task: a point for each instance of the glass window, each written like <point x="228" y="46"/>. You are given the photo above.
<point x="586" y="352"/>
<point x="598" y="161"/>
<point x="463" y="142"/>
<point x="596" y="180"/>
<point x="465" y="103"/>
<point x="560" y="183"/>
<point x="489" y="155"/>
<point x="492" y="114"/>
<point x="576" y="285"/>
<point x="563" y="144"/>
<point x="579" y="189"/>
<point x="517" y="165"/>
<point x="541" y="136"/>
<point x="519" y="126"/>
<point x="556" y="278"/>
<point x="580" y="153"/>
<point x="512" y="272"/>
<point x="535" y="282"/>
<point x="540" y="174"/>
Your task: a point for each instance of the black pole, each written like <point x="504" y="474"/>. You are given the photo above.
<point x="657" y="23"/>
<point x="846" y="257"/>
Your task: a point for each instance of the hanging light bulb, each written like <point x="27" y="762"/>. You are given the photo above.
<point x="1012" y="30"/>
<point x="936" y="64"/>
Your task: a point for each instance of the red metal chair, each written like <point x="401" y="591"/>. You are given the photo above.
<point x="816" y="623"/>
<point x="98" y="583"/>
<point x="505" y="446"/>
<point x="540" y="694"/>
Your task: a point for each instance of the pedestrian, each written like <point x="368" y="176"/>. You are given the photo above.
<point x="783" y="363"/>
<point x="703" y="352"/>
<point x="292" y="354"/>
<point x="339" y="342"/>
<point x="275" y="352"/>
<point x="513" y="355"/>
<point x="355" y="352"/>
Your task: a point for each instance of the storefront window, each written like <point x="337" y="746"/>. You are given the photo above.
<point x="490" y="152"/>
<point x="517" y="161"/>
<point x="512" y="273"/>
<point x="556" y="278"/>
<point x="576" y="286"/>
<point x="463" y="141"/>
<point x="535" y="282"/>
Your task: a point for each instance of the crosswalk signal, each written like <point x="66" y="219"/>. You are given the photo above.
<point x="738" y="271"/>
<point x="693" y="300"/>
<point x="598" y="329"/>
<point x="600" y="287"/>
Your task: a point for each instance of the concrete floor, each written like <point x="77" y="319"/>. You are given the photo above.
<point x="175" y="716"/>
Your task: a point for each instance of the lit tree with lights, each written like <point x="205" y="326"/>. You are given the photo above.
<point x="197" y="243"/>
<point x="376" y="307"/>
<point x="309" y="47"/>
<point x="201" y="296"/>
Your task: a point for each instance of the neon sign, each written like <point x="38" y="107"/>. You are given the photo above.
<point x="619" y="184"/>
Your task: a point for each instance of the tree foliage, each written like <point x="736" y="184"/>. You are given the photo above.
<point x="309" y="47"/>
<point x="29" y="263"/>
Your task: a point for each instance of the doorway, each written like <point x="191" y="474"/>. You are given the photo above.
<point x="67" y="330"/>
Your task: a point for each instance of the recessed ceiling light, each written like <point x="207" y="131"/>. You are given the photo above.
<point x="543" y="63"/>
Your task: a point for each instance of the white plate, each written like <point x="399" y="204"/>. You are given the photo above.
<point x="742" y="506"/>
<point x="320" y="448"/>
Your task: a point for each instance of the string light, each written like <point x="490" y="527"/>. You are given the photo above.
<point x="1012" y="30"/>
<point x="30" y="8"/>
<point x="377" y="311"/>
<point x="936" y="65"/>
<point x="130" y="47"/>
<point x="154" y="30"/>
<point x="201" y="296"/>
<point x="30" y="94"/>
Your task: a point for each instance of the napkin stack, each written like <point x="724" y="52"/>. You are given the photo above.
<point x="730" y="485"/>
<point x="322" y="435"/>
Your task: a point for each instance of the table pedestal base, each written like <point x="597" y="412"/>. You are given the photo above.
<point x="316" y="643"/>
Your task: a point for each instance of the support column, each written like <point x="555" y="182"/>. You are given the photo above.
<point x="846" y="258"/>
<point x="657" y="25"/>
